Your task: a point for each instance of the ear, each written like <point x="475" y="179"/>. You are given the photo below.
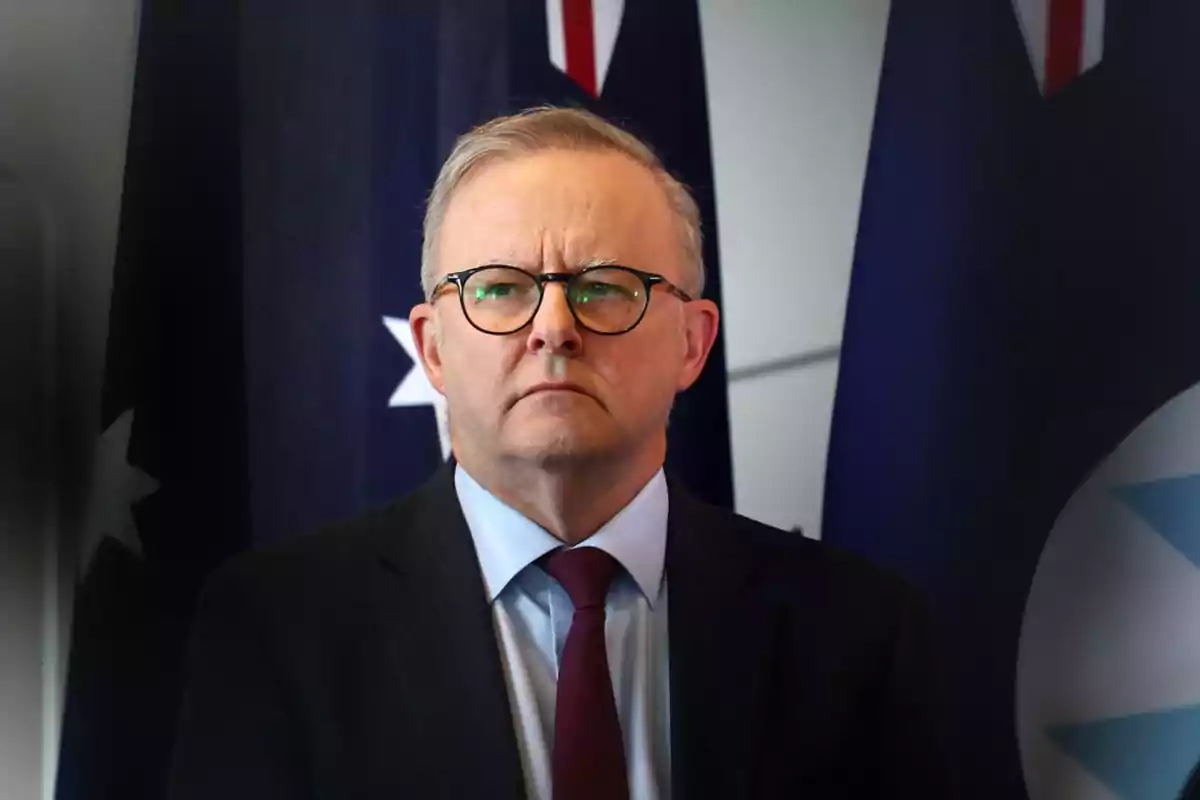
<point x="427" y="337"/>
<point x="701" y="321"/>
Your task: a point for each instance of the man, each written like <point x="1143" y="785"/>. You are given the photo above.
<point x="551" y="615"/>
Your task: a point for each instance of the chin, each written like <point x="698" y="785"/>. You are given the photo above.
<point x="550" y="448"/>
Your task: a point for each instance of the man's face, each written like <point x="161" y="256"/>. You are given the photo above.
<point x="559" y="211"/>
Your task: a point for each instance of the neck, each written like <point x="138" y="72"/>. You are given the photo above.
<point x="572" y="499"/>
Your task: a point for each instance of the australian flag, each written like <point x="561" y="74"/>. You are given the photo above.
<point x="260" y="377"/>
<point x="1017" y="422"/>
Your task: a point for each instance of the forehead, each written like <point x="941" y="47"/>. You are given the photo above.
<point x="558" y="209"/>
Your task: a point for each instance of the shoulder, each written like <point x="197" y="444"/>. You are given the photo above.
<point x="326" y="560"/>
<point x="821" y="598"/>
<point x="791" y="564"/>
<point x="395" y="533"/>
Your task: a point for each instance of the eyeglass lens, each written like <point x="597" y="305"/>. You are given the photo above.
<point x="502" y="299"/>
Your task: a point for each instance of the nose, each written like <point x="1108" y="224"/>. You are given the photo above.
<point x="553" y="329"/>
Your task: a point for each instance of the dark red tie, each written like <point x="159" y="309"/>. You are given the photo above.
<point x="589" y="753"/>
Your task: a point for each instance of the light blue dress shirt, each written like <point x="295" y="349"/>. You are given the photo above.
<point x="532" y="614"/>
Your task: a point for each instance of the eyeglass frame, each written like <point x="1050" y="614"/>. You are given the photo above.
<point x="649" y="280"/>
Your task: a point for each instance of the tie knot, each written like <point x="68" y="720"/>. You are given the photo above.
<point x="585" y="572"/>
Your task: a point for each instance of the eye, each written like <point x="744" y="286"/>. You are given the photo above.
<point x="595" y="291"/>
<point x="494" y="291"/>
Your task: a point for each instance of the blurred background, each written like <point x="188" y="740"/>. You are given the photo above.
<point x="971" y="224"/>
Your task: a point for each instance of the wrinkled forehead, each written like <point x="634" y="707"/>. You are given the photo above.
<point x="559" y="209"/>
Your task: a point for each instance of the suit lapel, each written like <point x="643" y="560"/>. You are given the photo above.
<point x="467" y="722"/>
<point x="721" y="640"/>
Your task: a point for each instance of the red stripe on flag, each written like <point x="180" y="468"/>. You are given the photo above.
<point x="1064" y="43"/>
<point x="580" y="43"/>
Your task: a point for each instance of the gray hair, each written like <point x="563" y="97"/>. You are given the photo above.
<point x="546" y="128"/>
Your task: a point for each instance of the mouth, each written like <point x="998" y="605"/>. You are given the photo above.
<point x="553" y="386"/>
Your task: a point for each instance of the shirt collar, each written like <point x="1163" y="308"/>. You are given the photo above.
<point x="506" y="541"/>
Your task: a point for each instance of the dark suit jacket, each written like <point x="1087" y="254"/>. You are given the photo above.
<point x="362" y="663"/>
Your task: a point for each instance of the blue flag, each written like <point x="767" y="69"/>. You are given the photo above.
<point x="1017" y="410"/>
<point x="260" y="379"/>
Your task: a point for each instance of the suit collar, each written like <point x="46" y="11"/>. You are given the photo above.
<point x="723" y="635"/>
<point x="702" y="548"/>
<point x="425" y="543"/>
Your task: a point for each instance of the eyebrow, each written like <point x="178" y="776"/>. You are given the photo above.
<point x="598" y="262"/>
<point x="591" y="262"/>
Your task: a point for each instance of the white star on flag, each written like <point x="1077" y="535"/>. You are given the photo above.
<point x="116" y="486"/>
<point x="415" y="389"/>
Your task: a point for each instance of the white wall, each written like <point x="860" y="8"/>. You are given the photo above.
<point x="66" y="70"/>
<point x="791" y="86"/>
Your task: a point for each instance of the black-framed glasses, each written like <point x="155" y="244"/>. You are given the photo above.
<point x="607" y="299"/>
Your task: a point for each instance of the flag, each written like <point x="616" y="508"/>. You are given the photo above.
<point x="1016" y="418"/>
<point x="169" y="484"/>
<point x="260" y="378"/>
